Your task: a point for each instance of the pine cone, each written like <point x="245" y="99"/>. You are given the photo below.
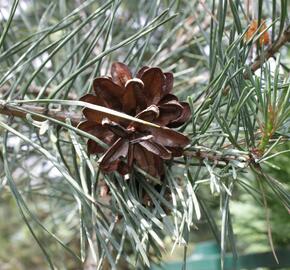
<point x="147" y="97"/>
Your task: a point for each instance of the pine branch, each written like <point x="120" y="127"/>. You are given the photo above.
<point x="23" y="111"/>
<point x="285" y="38"/>
<point x="220" y="159"/>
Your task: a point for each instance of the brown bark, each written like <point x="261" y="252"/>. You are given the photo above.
<point x="22" y="111"/>
<point x="271" y="51"/>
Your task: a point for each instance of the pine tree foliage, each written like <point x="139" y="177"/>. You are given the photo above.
<point x="235" y="77"/>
